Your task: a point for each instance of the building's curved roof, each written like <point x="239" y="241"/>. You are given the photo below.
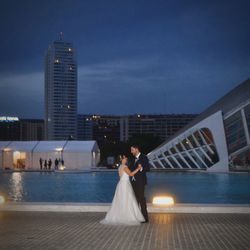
<point x="228" y="102"/>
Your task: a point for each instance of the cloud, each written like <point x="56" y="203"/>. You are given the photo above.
<point x="148" y="84"/>
<point x="22" y="94"/>
<point x="154" y="85"/>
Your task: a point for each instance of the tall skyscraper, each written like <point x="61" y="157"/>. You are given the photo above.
<point x="60" y="91"/>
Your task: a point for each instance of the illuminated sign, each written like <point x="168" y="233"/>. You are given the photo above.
<point x="8" y="119"/>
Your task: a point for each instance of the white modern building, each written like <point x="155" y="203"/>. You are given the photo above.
<point x="60" y="91"/>
<point x="76" y="155"/>
<point x="217" y="140"/>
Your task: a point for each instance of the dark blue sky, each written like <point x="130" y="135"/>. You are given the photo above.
<point x="133" y="56"/>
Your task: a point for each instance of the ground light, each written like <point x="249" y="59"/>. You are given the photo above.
<point x="163" y="200"/>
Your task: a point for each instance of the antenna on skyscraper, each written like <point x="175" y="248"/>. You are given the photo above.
<point x="61" y="36"/>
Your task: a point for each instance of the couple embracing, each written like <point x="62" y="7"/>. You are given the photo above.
<point x="129" y="204"/>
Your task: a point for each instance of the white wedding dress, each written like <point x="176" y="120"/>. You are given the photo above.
<point x="124" y="209"/>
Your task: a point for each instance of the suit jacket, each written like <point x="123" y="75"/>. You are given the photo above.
<point x="140" y="177"/>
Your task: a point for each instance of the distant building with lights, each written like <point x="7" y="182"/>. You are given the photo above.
<point x="113" y="129"/>
<point x="106" y="129"/>
<point x="60" y="91"/>
<point x="9" y="128"/>
<point x="162" y="126"/>
<point x="15" y="129"/>
<point x="102" y="128"/>
<point x="84" y="127"/>
<point x="217" y="140"/>
<point x="31" y="129"/>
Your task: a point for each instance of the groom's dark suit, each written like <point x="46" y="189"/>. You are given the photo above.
<point x="139" y="181"/>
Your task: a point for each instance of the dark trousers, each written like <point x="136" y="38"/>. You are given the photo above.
<point x="139" y="190"/>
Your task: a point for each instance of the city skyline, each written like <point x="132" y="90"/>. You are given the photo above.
<point x="177" y="57"/>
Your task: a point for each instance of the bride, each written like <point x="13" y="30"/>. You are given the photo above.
<point x="124" y="208"/>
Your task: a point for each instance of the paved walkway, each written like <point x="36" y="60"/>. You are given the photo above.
<point x="44" y="230"/>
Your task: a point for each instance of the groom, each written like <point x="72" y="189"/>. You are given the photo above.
<point x="140" y="179"/>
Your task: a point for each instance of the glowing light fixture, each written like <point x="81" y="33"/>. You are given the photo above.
<point x="2" y="199"/>
<point x="62" y="167"/>
<point x="59" y="149"/>
<point x="163" y="200"/>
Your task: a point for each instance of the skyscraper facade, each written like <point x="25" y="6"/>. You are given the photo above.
<point x="60" y="91"/>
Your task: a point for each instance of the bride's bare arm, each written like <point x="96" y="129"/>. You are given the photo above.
<point x="126" y="169"/>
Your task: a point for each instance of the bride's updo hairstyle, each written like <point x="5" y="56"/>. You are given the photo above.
<point x="122" y="157"/>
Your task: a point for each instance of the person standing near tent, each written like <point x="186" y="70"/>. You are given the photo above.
<point x="41" y="163"/>
<point x="56" y="164"/>
<point x="45" y="164"/>
<point x="50" y="164"/>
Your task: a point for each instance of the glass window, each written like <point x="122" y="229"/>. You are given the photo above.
<point x="166" y="165"/>
<point x="235" y="134"/>
<point x="173" y="163"/>
<point x="185" y="143"/>
<point x="179" y="147"/>
<point x="247" y="114"/>
<point x="160" y="156"/>
<point x="190" y="162"/>
<point x="157" y="164"/>
<point x="173" y="151"/>
<point x="207" y="135"/>
<point x="182" y="163"/>
<point x="191" y="140"/>
<point x="166" y="153"/>
<point x="204" y="159"/>
<point x="198" y="138"/>
<point x="241" y="161"/>
<point x="151" y="165"/>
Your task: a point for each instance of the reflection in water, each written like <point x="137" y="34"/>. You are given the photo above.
<point x="16" y="191"/>
<point x="222" y="182"/>
<point x="185" y="187"/>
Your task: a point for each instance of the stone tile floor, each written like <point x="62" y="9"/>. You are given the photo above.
<point x="48" y="230"/>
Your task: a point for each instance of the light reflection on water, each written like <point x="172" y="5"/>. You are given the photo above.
<point x="100" y="187"/>
<point x="16" y="187"/>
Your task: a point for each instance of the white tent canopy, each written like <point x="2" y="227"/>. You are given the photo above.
<point x="27" y="154"/>
<point x="90" y="155"/>
<point x="50" y="146"/>
<point x="3" y="145"/>
<point x="22" y="146"/>
<point x="18" y="154"/>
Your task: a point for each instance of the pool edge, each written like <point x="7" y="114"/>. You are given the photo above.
<point x="103" y="207"/>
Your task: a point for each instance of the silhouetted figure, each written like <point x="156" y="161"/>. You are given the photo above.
<point x="50" y="164"/>
<point x="45" y="164"/>
<point x="41" y="163"/>
<point x="62" y="161"/>
<point x="56" y="164"/>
